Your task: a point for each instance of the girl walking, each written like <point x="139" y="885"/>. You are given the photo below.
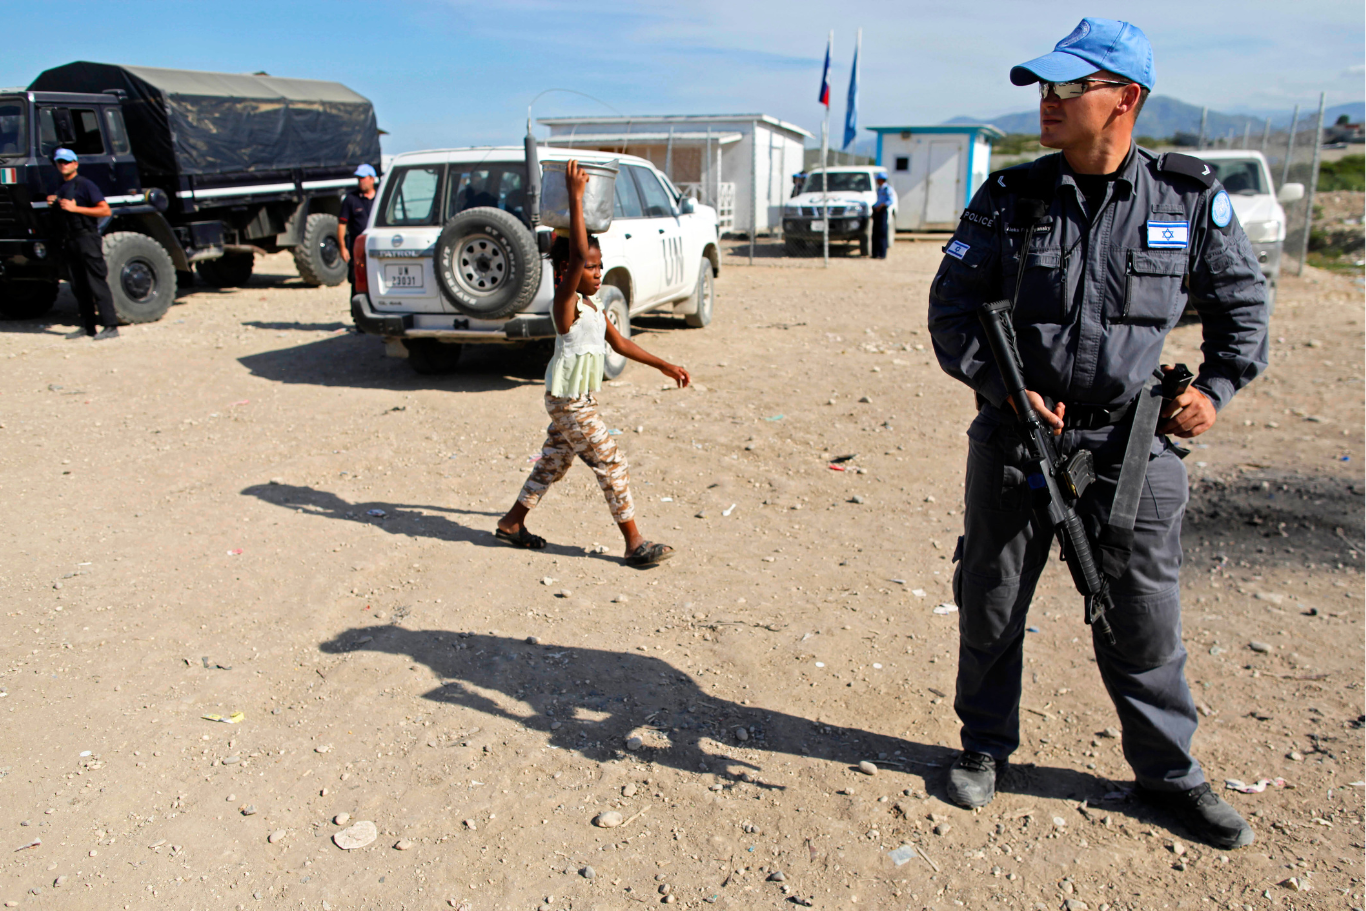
<point x="582" y="333"/>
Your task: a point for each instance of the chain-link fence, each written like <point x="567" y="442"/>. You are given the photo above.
<point x="1292" y="155"/>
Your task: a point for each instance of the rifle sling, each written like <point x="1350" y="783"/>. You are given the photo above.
<point x="1116" y="540"/>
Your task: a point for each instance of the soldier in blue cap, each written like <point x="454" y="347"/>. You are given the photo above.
<point x="81" y="206"/>
<point x="355" y="217"/>
<point x="1101" y="246"/>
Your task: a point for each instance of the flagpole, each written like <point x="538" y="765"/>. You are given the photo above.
<point x="825" y="176"/>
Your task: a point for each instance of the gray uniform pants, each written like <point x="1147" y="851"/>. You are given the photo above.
<point x="1000" y="556"/>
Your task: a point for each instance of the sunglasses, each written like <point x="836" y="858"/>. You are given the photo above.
<point x="1074" y="89"/>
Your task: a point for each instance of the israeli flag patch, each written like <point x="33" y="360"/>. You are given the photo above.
<point x="957" y="249"/>
<point x="1168" y="235"/>
<point x="1221" y="210"/>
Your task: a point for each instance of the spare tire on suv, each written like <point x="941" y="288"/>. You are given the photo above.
<point x="487" y="263"/>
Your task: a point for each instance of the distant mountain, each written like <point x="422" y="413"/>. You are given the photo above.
<point x="1164" y="116"/>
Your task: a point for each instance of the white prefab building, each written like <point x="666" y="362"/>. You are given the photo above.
<point x="740" y="163"/>
<point x="934" y="170"/>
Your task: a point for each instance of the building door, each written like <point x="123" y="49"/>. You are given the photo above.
<point x="942" y="190"/>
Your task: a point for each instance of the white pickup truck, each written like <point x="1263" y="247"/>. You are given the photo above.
<point x="1260" y="211"/>
<point x="450" y="258"/>
<point x="851" y="196"/>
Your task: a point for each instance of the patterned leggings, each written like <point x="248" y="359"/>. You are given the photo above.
<point x="576" y="429"/>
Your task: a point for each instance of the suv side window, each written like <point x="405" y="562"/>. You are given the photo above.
<point x="627" y="201"/>
<point x="657" y="202"/>
<point x="413" y="196"/>
<point x="47" y="133"/>
<point x="118" y="134"/>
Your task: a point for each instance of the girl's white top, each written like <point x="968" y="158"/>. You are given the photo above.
<point x="576" y="367"/>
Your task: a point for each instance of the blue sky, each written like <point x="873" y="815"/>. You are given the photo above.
<point x="450" y="72"/>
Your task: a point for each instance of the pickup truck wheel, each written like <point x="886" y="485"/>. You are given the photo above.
<point x="614" y="305"/>
<point x="318" y="257"/>
<point x="705" y="294"/>
<point x="231" y="270"/>
<point x="865" y="239"/>
<point x="26" y="300"/>
<point x="430" y="357"/>
<point x="142" y="277"/>
<point x="487" y="263"/>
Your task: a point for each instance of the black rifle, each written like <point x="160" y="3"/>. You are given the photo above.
<point x="1057" y="487"/>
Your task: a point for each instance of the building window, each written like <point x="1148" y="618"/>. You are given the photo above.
<point x="903" y="163"/>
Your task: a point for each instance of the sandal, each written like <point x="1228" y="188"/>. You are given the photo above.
<point x="520" y="538"/>
<point x="649" y="554"/>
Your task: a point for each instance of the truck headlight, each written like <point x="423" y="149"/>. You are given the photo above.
<point x="39" y="250"/>
<point x="1264" y="232"/>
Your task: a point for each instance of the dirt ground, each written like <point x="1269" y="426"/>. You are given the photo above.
<point x="247" y="508"/>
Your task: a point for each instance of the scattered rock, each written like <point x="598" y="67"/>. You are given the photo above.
<point x="232" y="760"/>
<point x="357" y="836"/>
<point x="943" y="829"/>
<point x="322" y="749"/>
<point x="342" y="819"/>
<point x="276" y="837"/>
<point x="620" y="599"/>
<point x="634" y="743"/>
<point x="741" y="734"/>
<point x="856" y="498"/>
<point x="1112" y="733"/>
<point x="547" y="581"/>
<point x="865" y="400"/>
<point x="629" y="790"/>
<point x="1177" y="848"/>
<point x="1259" y="647"/>
<point x="1295" y="756"/>
<point x="588" y="873"/>
<point x="247" y="809"/>
<point x="1075" y="904"/>
<point x="471" y="825"/>
<point x="402" y="844"/>
<point x="867" y="768"/>
<point x="608" y="820"/>
<point x="777" y="877"/>
<point x="564" y="593"/>
<point x="533" y="640"/>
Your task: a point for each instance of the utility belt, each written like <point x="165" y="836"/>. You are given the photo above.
<point x="1075" y="473"/>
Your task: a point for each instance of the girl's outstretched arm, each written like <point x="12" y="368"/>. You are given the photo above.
<point x="627" y="348"/>
<point x="564" y="310"/>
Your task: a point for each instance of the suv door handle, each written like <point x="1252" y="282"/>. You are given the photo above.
<point x="661" y="230"/>
<point x="628" y="237"/>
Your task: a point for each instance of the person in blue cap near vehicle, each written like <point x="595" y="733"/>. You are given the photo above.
<point x="1101" y="247"/>
<point x="81" y="205"/>
<point x="355" y="218"/>
<point x="882" y="213"/>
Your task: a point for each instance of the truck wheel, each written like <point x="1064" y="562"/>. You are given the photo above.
<point x="614" y="305"/>
<point x="26" y="300"/>
<point x="231" y="270"/>
<point x="318" y="257"/>
<point x="487" y="263"/>
<point x="431" y="357"/>
<point x="705" y="294"/>
<point x="865" y="239"/>
<point x="141" y="276"/>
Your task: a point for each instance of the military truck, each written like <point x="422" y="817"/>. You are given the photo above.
<point x="202" y="171"/>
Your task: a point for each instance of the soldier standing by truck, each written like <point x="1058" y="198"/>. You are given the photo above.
<point x="82" y="204"/>
<point x="355" y="218"/>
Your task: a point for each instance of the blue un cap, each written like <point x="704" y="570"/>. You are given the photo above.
<point x="64" y="155"/>
<point x="365" y="170"/>
<point x="1095" y="44"/>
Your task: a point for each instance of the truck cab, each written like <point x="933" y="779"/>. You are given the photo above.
<point x="851" y="195"/>
<point x="33" y="125"/>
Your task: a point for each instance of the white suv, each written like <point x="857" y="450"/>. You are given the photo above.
<point x="450" y="258"/>
<point x="1247" y="180"/>
<point x="852" y="194"/>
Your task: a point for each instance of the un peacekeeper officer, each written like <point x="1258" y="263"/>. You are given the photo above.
<point x="82" y="205"/>
<point x="1122" y="240"/>
<point x="355" y="217"/>
<point x="882" y="210"/>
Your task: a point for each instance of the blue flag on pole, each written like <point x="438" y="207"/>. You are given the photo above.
<point x="824" y="97"/>
<point x="851" y="104"/>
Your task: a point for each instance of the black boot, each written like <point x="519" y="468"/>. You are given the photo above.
<point x="972" y="779"/>
<point x="79" y="333"/>
<point x="107" y="332"/>
<point x="1206" y="814"/>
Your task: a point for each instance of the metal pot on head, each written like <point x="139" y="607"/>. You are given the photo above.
<point x="598" y="196"/>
